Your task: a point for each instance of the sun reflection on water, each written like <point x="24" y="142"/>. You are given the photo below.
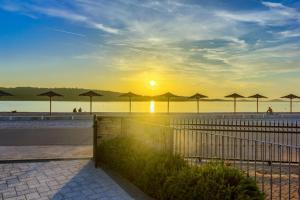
<point x="152" y="106"/>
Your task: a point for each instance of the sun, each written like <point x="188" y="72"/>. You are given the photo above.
<point x="152" y="83"/>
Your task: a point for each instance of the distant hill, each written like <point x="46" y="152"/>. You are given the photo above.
<point x="277" y="100"/>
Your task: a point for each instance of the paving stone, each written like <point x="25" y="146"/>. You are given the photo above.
<point x="3" y="186"/>
<point x="22" y="187"/>
<point x="32" y="196"/>
<point x="17" y="198"/>
<point x="41" y="189"/>
<point x="27" y="191"/>
<point x="9" y="194"/>
<point x="57" y="180"/>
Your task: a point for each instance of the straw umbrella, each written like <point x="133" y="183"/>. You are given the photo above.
<point x="50" y="94"/>
<point x="198" y="97"/>
<point x="257" y="96"/>
<point x="291" y="97"/>
<point x="3" y="94"/>
<point x="234" y="96"/>
<point x="167" y="95"/>
<point x="91" y="94"/>
<point x="130" y="95"/>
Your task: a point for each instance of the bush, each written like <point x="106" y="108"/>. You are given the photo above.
<point x="145" y="167"/>
<point x="168" y="177"/>
<point x="121" y="154"/>
<point x="210" y="181"/>
<point x="159" y="167"/>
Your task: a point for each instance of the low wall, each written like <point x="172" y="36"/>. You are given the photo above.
<point x="43" y="117"/>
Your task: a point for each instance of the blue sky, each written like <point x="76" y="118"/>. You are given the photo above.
<point x="186" y="46"/>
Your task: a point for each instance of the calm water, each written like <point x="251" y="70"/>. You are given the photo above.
<point x="67" y="106"/>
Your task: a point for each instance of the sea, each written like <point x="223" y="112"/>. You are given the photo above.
<point x="146" y="106"/>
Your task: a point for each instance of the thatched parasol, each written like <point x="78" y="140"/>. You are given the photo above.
<point x="198" y="96"/>
<point x="167" y="95"/>
<point x="3" y="94"/>
<point x="257" y="96"/>
<point x="234" y="96"/>
<point x="91" y="94"/>
<point x="130" y="95"/>
<point x="291" y="97"/>
<point x="50" y="94"/>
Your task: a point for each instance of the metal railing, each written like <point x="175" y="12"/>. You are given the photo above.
<point x="267" y="151"/>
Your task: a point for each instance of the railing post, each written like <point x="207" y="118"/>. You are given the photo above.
<point x="280" y="160"/>
<point x="95" y="142"/>
<point x="123" y="130"/>
<point x="168" y="136"/>
<point x="298" y="149"/>
<point x="171" y="140"/>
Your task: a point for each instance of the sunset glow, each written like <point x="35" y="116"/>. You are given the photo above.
<point x="122" y="45"/>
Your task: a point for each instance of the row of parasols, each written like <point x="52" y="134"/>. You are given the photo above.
<point x="167" y="96"/>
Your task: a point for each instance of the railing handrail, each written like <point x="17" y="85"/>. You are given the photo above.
<point x="232" y="137"/>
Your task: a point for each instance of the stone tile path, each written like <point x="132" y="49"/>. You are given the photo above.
<point x="45" y="152"/>
<point x="73" y="179"/>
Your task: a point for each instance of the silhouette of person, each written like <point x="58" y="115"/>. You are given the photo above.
<point x="80" y="110"/>
<point x="270" y="110"/>
<point x="74" y="110"/>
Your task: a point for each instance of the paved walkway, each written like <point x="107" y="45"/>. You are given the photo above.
<point x="73" y="179"/>
<point x="45" y="152"/>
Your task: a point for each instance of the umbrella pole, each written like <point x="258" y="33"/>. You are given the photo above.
<point x="91" y="108"/>
<point x="234" y="104"/>
<point x="198" y="106"/>
<point x="50" y="106"/>
<point x="291" y="106"/>
<point x="130" y="104"/>
<point x="168" y="105"/>
<point x="256" y="105"/>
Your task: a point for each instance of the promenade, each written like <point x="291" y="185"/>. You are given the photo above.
<point x="27" y="138"/>
<point x="50" y="158"/>
<point x="57" y="180"/>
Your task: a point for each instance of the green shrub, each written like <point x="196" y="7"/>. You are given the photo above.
<point x="210" y="181"/>
<point x="123" y="155"/>
<point x="159" y="167"/>
<point x="145" y="167"/>
<point x="168" y="177"/>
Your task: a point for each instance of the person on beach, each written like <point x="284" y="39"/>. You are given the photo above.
<point x="270" y="111"/>
<point x="80" y="110"/>
<point x="74" y="110"/>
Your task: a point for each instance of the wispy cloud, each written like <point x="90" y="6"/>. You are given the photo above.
<point x="60" y="13"/>
<point x="74" y="17"/>
<point x="185" y="38"/>
<point x="290" y="33"/>
<point x="276" y="14"/>
<point x="204" y="41"/>
<point x="68" y="32"/>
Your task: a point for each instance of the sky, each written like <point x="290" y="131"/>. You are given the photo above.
<point x="213" y="47"/>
